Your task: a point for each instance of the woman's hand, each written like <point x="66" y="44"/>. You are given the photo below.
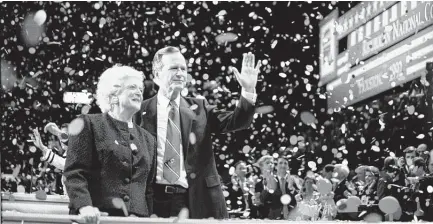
<point x="90" y="214"/>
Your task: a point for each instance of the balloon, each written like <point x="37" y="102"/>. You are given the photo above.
<point x="31" y="30"/>
<point x="389" y="205"/>
<point x="324" y="186"/>
<point x="353" y="203"/>
<point x="76" y="126"/>
<point x="373" y="217"/>
<point x="398" y="213"/>
<point x="342" y="205"/>
<point x="40" y="17"/>
<point x="41" y="195"/>
<point x="307" y="117"/>
<point x="21" y="189"/>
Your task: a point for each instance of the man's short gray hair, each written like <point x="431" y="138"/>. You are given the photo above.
<point x="342" y="170"/>
<point x="111" y="82"/>
<point x="157" y="59"/>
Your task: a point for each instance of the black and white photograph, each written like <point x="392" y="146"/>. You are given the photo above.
<point x="216" y="111"/>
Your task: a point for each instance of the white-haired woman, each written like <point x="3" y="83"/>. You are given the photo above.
<point x="111" y="161"/>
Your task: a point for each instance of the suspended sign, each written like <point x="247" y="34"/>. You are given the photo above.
<point x="398" y="65"/>
<point x="390" y="27"/>
<point x="328" y="48"/>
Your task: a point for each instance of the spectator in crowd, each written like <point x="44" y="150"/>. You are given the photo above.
<point x="425" y="193"/>
<point x="239" y="189"/>
<point x="423" y="152"/>
<point x="266" y="185"/>
<point x="430" y="164"/>
<point x="419" y="167"/>
<point x="391" y="183"/>
<point x="186" y="173"/>
<point x="285" y="186"/>
<point x="47" y="154"/>
<point x="390" y="173"/>
<point x="371" y="180"/>
<point x="409" y="155"/>
<point x="328" y="171"/>
<point x="308" y="208"/>
<point x="112" y="158"/>
<point x="341" y="189"/>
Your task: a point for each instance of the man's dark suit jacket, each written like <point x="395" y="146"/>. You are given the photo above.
<point x="237" y="198"/>
<point x="425" y="196"/>
<point x="100" y="165"/>
<point x="273" y="201"/>
<point x="339" y="190"/>
<point x="197" y="117"/>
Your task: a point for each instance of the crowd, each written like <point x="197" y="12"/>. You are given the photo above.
<point x="335" y="192"/>
<point x="350" y="148"/>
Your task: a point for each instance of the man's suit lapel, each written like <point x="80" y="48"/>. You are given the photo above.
<point x="149" y="116"/>
<point x="187" y="116"/>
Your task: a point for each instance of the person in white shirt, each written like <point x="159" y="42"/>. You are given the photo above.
<point x="47" y="154"/>
<point x="186" y="174"/>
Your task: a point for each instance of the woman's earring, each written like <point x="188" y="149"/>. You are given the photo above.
<point x="114" y="100"/>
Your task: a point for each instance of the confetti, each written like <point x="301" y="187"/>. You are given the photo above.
<point x="32" y="149"/>
<point x="226" y="38"/>
<point x="307" y="118"/>
<point x="375" y="148"/>
<point x="264" y="109"/>
<point x="192" y="138"/>
<point x="293" y="139"/>
<point x="420" y="136"/>
<point x="40" y="17"/>
<point x="285" y="199"/>
<point x="246" y="149"/>
<point x="76" y="126"/>
<point x="85" y="109"/>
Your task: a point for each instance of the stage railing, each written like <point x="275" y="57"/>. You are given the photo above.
<point x="26" y="208"/>
<point x="19" y="218"/>
<point x="28" y="203"/>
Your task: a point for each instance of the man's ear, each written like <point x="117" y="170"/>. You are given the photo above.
<point x="156" y="79"/>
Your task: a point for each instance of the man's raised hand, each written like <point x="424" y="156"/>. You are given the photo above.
<point x="249" y="73"/>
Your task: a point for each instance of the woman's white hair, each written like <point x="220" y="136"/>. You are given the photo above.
<point x="111" y="83"/>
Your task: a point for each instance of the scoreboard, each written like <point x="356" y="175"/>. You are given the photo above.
<point x="386" y="44"/>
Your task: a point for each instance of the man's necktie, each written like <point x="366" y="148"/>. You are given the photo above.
<point x="283" y="190"/>
<point x="173" y="142"/>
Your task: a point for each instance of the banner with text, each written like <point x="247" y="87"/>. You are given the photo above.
<point x="393" y="25"/>
<point x="359" y="15"/>
<point x="398" y="65"/>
